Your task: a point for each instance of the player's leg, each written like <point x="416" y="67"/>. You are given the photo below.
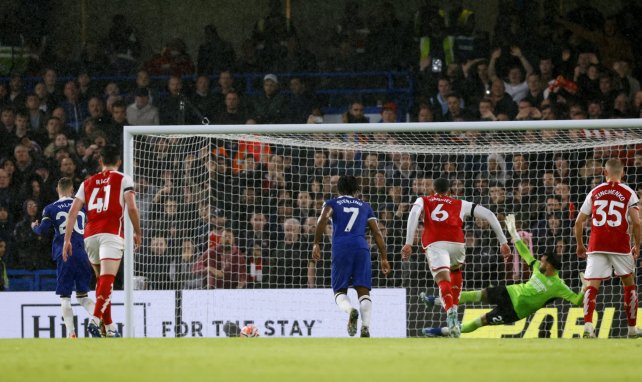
<point x="64" y="288"/>
<point x="465" y="297"/>
<point x="362" y="282"/>
<point x="457" y="257"/>
<point x="624" y="267"/>
<point x="92" y="246"/>
<point x="340" y="280"/>
<point x="82" y="278"/>
<point x="439" y="262"/>
<point x="111" y="253"/>
<point x="109" y="268"/>
<point x="598" y="268"/>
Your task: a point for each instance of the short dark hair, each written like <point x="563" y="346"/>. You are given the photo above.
<point x="348" y="185"/>
<point x="65" y="184"/>
<point x="110" y="155"/>
<point x="553" y="259"/>
<point x="441" y="185"/>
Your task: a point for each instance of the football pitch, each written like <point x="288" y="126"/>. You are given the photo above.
<point x="303" y="360"/>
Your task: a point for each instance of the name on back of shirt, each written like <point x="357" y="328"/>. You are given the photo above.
<point x="350" y="201"/>
<point x="449" y="201"/>
<point x="615" y="193"/>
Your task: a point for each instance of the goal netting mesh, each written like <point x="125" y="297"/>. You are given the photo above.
<point x="228" y="211"/>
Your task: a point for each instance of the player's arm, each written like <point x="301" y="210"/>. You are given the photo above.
<point x="578" y="228"/>
<point x="634" y="217"/>
<point x="579" y="234"/>
<point x="383" y="254"/>
<point x="134" y="217"/>
<point x="42" y="226"/>
<point x="71" y="217"/>
<point x="411" y="227"/>
<point x="522" y="248"/>
<point x="489" y="216"/>
<point x="567" y="294"/>
<point x="326" y="214"/>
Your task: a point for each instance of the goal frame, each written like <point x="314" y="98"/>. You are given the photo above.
<point x="131" y="131"/>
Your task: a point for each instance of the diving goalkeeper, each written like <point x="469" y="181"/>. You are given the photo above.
<point x="514" y="302"/>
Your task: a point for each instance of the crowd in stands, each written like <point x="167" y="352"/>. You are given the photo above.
<point x="586" y="69"/>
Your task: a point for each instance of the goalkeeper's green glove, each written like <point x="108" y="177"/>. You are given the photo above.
<point x="512" y="229"/>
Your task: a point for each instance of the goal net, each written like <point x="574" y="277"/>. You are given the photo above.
<point x="228" y="215"/>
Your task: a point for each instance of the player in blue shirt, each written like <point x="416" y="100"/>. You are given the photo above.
<point x="350" y="250"/>
<point x="77" y="269"/>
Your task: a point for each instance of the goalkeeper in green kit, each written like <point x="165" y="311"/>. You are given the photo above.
<point x="516" y="301"/>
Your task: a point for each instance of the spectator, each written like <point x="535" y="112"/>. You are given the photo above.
<point x="36" y="116"/>
<point x="17" y="96"/>
<point x="86" y="89"/>
<point x="156" y="264"/>
<point x="214" y="54"/>
<point x="170" y="110"/>
<point x="114" y="131"/>
<point x="455" y="110"/>
<point x="300" y="102"/>
<point x="516" y="87"/>
<point x="389" y="112"/>
<point x="143" y="81"/>
<point x="31" y="250"/>
<point x="289" y="264"/>
<point x="142" y="112"/>
<point x="502" y="101"/>
<point x="173" y="60"/>
<point x="223" y="266"/>
<point x="355" y="114"/>
<point x="234" y="113"/>
<point x="4" y="280"/>
<point x="271" y="106"/>
<point x="204" y="103"/>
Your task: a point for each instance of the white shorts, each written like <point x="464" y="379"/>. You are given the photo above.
<point x="600" y="266"/>
<point x="104" y="246"/>
<point x="443" y="255"/>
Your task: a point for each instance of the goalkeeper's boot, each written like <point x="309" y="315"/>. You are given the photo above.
<point x="452" y="320"/>
<point x="352" y="322"/>
<point x="589" y="330"/>
<point x="429" y="301"/>
<point x="365" y="332"/>
<point x="93" y="329"/>
<point x="634" y="332"/>
<point x="435" y="332"/>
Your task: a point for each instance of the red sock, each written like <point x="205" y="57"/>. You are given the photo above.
<point x="446" y="294"/>
<point x="456" y="282"/>
<point x="589" y="304"/>
<point x="631" y="304"/>
<point x="103" y="294"/>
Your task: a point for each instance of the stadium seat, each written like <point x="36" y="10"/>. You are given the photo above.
<point x="21" y="285"/>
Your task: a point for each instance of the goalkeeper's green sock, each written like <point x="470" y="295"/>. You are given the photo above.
<point x="470" y="296"/>
<point x="471" y="326"/>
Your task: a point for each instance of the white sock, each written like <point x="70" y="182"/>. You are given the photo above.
<point x="87" y="303"/>
<point x="67" y="314"/>
<point x="343" y="301"/>
<point x="366" y="310"/>
<point x="111" y="327"/>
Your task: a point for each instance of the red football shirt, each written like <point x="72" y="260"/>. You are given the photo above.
<point x="609" y="205"/>
<point x="106" y="204"/>
<point x="444" y="219"/>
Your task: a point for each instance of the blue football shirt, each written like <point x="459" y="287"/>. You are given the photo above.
<point x="55" y="215"/>
<point x="350" y="218"/>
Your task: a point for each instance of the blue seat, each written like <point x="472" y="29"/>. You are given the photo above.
<point x="21" y="284"/>
<point x="45" y="280"/>
<point x="47" y="283"/>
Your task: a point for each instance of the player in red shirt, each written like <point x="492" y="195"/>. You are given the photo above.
<point x="443" y="240"/>
<point x="614" y="207"/>
<point x="106" y="194"/>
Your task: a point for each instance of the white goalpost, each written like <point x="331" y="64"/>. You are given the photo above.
<point x="227" y="214"/>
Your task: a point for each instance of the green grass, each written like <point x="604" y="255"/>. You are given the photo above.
<point x="306" y="360"/>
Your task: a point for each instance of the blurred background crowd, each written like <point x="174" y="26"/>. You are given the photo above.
<point x="432" y="64"/>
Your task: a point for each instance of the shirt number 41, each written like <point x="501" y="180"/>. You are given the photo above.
<point x="97" y="203"/>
